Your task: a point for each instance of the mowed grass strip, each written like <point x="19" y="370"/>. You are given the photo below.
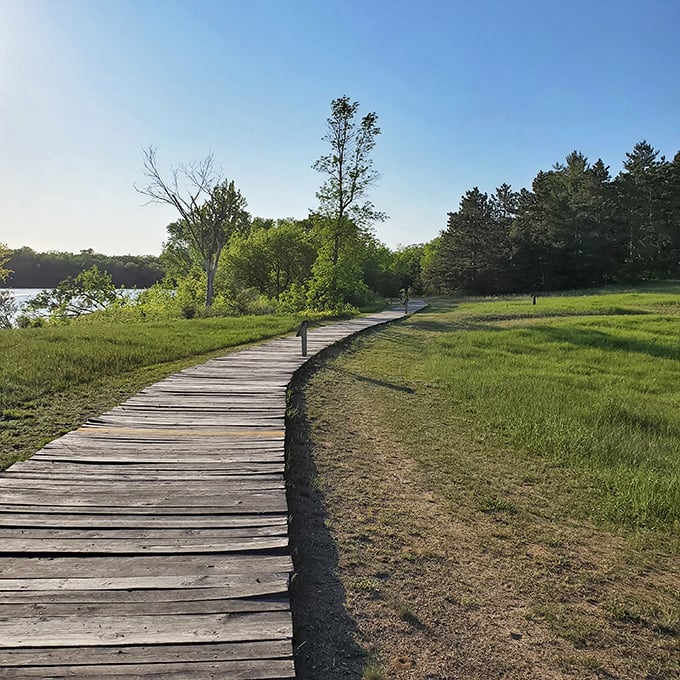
<point x="509" y="476"/>
<point x="54" y="378"/>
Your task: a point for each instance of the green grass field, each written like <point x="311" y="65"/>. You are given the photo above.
<point x="589" y="383"/>
<point x="54" y="378"/>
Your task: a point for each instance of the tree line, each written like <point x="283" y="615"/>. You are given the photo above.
<point x="30" y="269"/>
<point x="291" y="265"/>
<point x="577" y="227"/>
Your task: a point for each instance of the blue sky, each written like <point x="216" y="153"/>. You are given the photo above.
<point x="468" y="94"/>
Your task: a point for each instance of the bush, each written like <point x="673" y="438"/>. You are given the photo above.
<point x="292" y="300"/>
<point x="25" y="321"/>
<point x="8" y="308"/>
<point x="250" y="301"/>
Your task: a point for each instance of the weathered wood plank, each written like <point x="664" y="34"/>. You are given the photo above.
<point x="149" y="474"/>
<point x="270" y="669"/>
<point x="43" y="518"/>
<point x="173" y="565"/>
<point x="249" y="505"/>
<point x="172" y="458"/>
<point x="271" y="504"/>
<point x="161" y="629"/>
<point x="133" y="597"/>
<point x="112" y="607"/>
<point x="236" y="585"/>
<point x="164" y="496"/>
<point x="146" y="546"/>
<point x="162" y="533"/>
<point x="140" y="654"/>
<point x="133" y="486"/>
<point x="180" y="471"/>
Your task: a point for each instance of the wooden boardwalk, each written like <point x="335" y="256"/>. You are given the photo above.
<point x="152" y="541"/>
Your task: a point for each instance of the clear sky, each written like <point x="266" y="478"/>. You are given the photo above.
<point x="468" y="93"/>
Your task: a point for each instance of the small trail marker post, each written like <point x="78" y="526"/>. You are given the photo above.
<point x="302" y="333"/>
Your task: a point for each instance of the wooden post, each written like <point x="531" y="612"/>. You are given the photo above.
<point x="302" y="333"/>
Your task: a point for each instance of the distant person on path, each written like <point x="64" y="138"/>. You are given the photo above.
<point x="404" y="296"/>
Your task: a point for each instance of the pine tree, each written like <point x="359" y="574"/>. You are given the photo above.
<point x="473" y="253"/>
<point x="639" y="193"/>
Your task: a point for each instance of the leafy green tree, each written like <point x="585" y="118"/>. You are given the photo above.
<point x="212" y="210"/>
<point x="246" y="262"/>
<point x="337" y="272"/>
<point x="407" y="267"/>
<point x="264" y="223"/>
<point x="90" y="291"/>
<point x="290" y="254"/>
<point x="5" y="254"/>
<point x="177" y="258"/>
<point x="344" y="213"/>
<point x="428" y="267"/>
<point x="378" y="269"/>
<point x="273" y="257"/>
<point x="8" y="309"/>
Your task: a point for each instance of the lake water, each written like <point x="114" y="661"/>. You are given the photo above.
<point x="23" y="295"/>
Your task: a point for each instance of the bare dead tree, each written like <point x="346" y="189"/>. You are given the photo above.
<point x="210" y="207"/>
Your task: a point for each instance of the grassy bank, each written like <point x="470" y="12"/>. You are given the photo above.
<point x="54" y="378"/>
<point x="503" y="489"/>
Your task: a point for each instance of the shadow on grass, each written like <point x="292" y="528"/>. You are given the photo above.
<point x="591" y="337"/>
<point x="373" y="381"/>
<point x="487" y="324"/>
<point x="324" y="635"/>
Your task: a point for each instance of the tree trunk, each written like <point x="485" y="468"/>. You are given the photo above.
<point x="209" y="290"/>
